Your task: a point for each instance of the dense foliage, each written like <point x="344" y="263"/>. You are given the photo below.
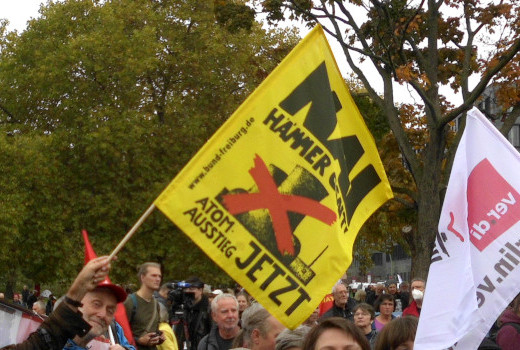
<point x="101" y="104"/>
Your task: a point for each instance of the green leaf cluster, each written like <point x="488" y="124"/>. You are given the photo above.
<point x="101" y="105"/>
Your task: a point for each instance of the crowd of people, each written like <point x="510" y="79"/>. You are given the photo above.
<point x="173" y="316"/>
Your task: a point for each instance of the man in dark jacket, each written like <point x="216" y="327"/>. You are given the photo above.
<point x="66" y="321"/>
<point x="197" y="315"/>
<point x="343" y="305"/>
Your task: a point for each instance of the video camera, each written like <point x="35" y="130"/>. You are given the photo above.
<point x="179" y="298"/>
<point x="181" y="302"/>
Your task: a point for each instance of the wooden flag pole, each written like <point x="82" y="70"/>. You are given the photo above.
<point x="132" y="231"/>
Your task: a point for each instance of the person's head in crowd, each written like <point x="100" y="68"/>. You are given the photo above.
<point x="507" y="335"/>
<point x="164" y="290"/>
<point x="340" y="294"/>
<point x="130" y="288"/>
<point x="418" y="286"/>
<point x="404" y="286"/>
<point x="392" y="288"/>
<point x="243" y="301"/>
<point x="260" y="328"/>
<point x="360" y="296"/>
<point x="150" y="276"/>
<point x="2" y="296"/>
<point x="385" y="304"/>
<point x="364" y="315"/>
<point x="93" y="273"/>
<point x="313" y="318"/>
<point x="99" y="307"/>
<point x="398" y="334"/>
<point x="39" y="307"/>
<point x="380" y="289"/>
<point x="196" y="288"/>
<point x="335" y="333"/>
<point x="292" y="339"/>
<point x="224" y="311"/>
<point x="16" y="298"/>
<point x="214" y="293"/>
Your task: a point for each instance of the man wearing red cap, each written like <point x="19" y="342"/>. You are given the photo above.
<point x="98" y="309"/>
<point x="66" y="321"/>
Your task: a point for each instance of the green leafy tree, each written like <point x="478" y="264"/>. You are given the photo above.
<point x="106" y="102"/>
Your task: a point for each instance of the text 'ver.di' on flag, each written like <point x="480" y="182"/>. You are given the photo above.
<point x="474" y="272"/>
<point x="276" y="197"/>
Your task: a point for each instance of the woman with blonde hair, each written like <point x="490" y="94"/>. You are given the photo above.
<point x="360" y="296"/>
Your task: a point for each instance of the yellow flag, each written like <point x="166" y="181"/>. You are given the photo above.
<point x="277" y="196"/>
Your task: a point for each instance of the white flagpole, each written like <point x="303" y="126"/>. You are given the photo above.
<point x="111" y="335"/>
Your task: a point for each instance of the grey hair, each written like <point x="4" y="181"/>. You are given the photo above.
<point x="336" y="286"/>
<point x="291" y="338"/>
<point x="214" y="302"/>
<point x="41" y="305"/>
<point x="254" y="317"/>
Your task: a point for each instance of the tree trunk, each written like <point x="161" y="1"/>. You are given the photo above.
<point x="424" y="236"/>
<point x="429" y="206"/>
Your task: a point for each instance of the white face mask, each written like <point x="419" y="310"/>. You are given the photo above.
<point x="417" y="294"/>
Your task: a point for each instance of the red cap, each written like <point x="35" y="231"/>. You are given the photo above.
<point x="118" y="291"/>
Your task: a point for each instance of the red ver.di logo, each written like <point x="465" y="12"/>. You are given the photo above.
<point x="493" y="206"/>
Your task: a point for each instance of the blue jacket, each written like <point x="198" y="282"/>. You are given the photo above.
<point x="119" y="335"/>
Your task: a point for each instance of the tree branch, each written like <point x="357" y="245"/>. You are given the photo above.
<point x="510" y="120"/>
<point x="486" y="78"/>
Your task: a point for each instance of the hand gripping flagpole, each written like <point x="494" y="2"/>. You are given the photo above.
<point x="132" y="231"/>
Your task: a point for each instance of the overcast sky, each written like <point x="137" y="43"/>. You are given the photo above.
<point x="18" y="12"/>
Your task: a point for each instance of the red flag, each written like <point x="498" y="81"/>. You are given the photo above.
<point x="326" y="303"/>
<point x="120" y="314"/>
<point x="89" y="251"/>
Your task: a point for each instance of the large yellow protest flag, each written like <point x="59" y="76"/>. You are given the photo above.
<point x="277" y="196"/>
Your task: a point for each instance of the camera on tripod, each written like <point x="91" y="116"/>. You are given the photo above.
<point x="179" y="298"/>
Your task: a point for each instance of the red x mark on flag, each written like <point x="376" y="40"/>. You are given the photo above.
<point x="278" y="205"/>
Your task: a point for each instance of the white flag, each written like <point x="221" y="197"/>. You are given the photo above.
<point x="474" y="272"/>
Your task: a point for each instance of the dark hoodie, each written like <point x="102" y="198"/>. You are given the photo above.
<point x="508" y="337"/>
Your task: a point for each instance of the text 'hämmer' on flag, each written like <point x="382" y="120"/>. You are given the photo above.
<point x="276" y="197"/>
<point x="474" y="272"/>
